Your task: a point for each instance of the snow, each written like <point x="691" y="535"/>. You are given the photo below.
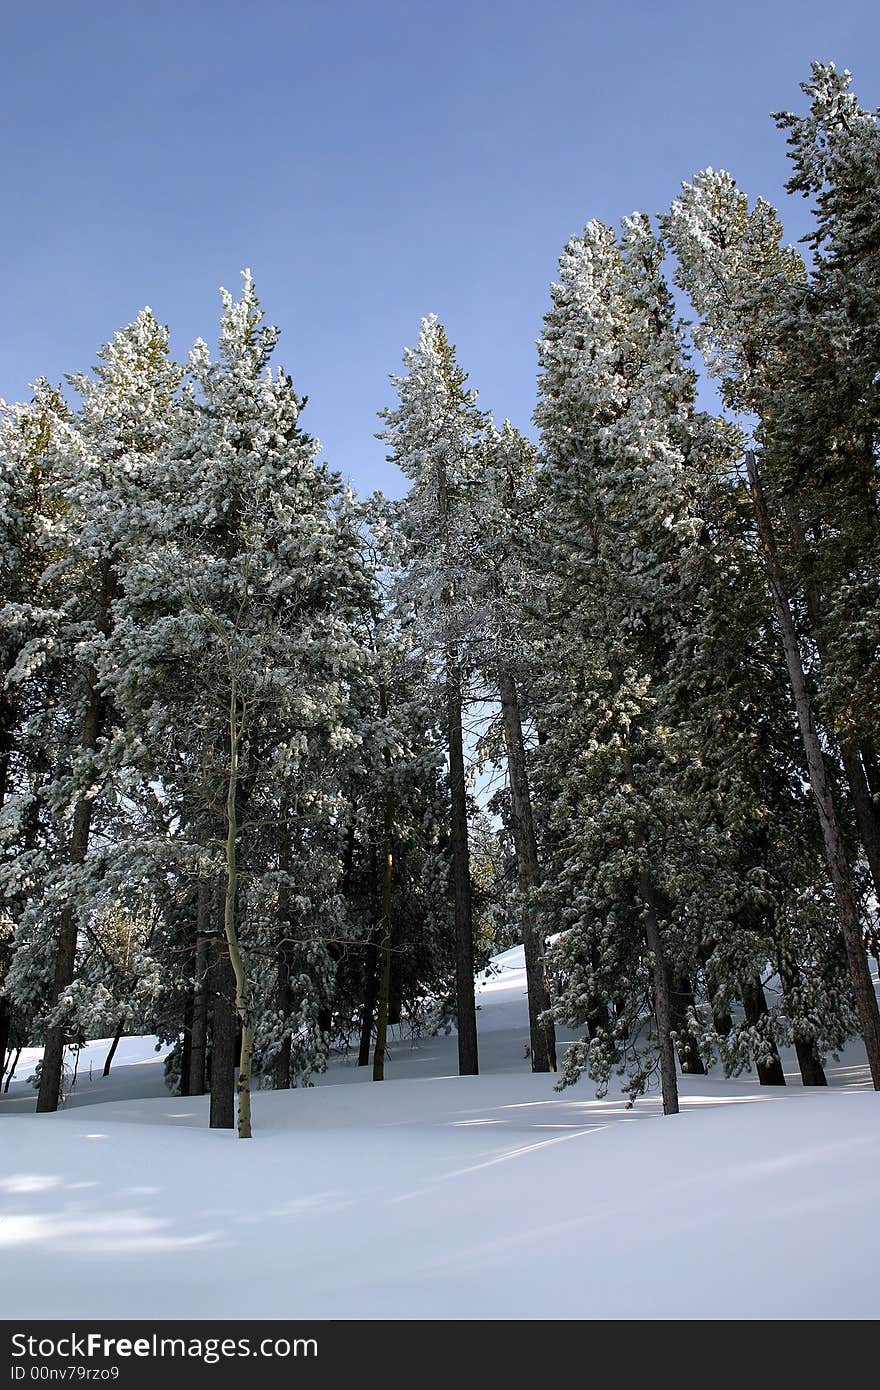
<point x="439" y="1196"/>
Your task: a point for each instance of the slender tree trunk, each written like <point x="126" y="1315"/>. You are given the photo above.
<point x="198" y="1048"/>
<point x="385" y="928"/>
<point x="65" y="958"/>
<point x="542" y="1033"/>
<point x="242" y="987"/>
<point x="768" y="1067"/>
<point x="468" y="1064"/>
<point x="11" y="1072"/>
<point x="662" y="1003"/>
<point x="186" y="1047"/>
<point x="223" y="1037"/>
<point x="866" y="1000"/>
<point x="113" y="1046"/>
<point x="686" y="1044"/>
<point x="283" y="991"/>
<point x="369" y="1004"/>
<point x="5" y="1029"/>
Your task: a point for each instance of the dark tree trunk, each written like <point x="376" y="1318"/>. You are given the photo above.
<point x="283" y="992"/>
<point x="810" y="1063"/>
<point x="11" y="1072"/>
<point x="385" y="908"/>
<point x="542" y="1034"/>
<point x="113" y="1046"/>
<point x="835" y="855"/>
<point x="769" y="1067"/>
<point x="5" y="1029"/>
<point x="369" y="1004"/>
<point x="65" y="959"/>
<point x="662" y="1002"/>
<point x="224" y="1034"/>
<point x="186" y="1047"/>
<point x="198" y="1048"/>
<point x="686" y="1044"/>
<point x="468" y="1064"/>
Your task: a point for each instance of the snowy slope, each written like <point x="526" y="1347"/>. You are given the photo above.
<point x="442" y="1196"/>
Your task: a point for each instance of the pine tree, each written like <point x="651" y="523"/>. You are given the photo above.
<point x="431" y="434"/>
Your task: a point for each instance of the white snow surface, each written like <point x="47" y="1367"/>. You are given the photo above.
<point x="439" y="1196"/>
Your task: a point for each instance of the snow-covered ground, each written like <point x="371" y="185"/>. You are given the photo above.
<point x="439" y="1196"/>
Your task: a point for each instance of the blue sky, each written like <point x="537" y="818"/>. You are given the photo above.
<point x="371" y="162"/>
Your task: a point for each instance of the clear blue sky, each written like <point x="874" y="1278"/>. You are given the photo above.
<point x="371" y="162"/>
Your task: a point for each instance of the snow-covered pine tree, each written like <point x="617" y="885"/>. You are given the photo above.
<point x="757" y="306"/>
<point x="241" y="635"/>
<point x="613" y="401"/>
<point x="93" y="461"/>
<point x="431" y="433"/>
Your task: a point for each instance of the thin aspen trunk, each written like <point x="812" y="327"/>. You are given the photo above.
<point x="385" y="936"/>
<point x="542" y="1033"/>
<point x="866" y="1000"/>
<point x="113" y="1046"/>
<point x="662" y="1003"/>
<point x="860" y="792"/>
<point x="198" y="1047"/>
<point x="242" y="988"/>
<point x="468" y="1061"/>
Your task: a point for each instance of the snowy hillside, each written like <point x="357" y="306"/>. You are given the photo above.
<point x="440" y="1200"/>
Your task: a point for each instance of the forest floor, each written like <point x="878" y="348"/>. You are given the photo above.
<point x="439" y="1196"/>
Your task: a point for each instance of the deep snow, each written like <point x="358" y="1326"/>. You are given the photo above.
<point x="441" y="1196"/>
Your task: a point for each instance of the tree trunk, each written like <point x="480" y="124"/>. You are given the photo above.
<point x="769" y="1067"/>
<point x="283" y="991"/>
<point x="5" y="1029"/>
<point x="65" y="958"/>
<point x="542" y="1034"/>
<point x="468" y="1064"/>
<point x="223" y="1036"/>
<point x="369" y="1004"/>
<point x="847" y="907"/>
<point x="686" y="1044"/>
<point x="198" y="1048"/>
<point x="113" y="1046"/>
<point x="662" y="1004"/>
<point x="242" y="987"/>
<point x="11" y="1071"/>
<point x="867" y="817"/>
<point x="385" y="928"/>
<point x="186" y="1046"/>
<point x="809" y="1061"/>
